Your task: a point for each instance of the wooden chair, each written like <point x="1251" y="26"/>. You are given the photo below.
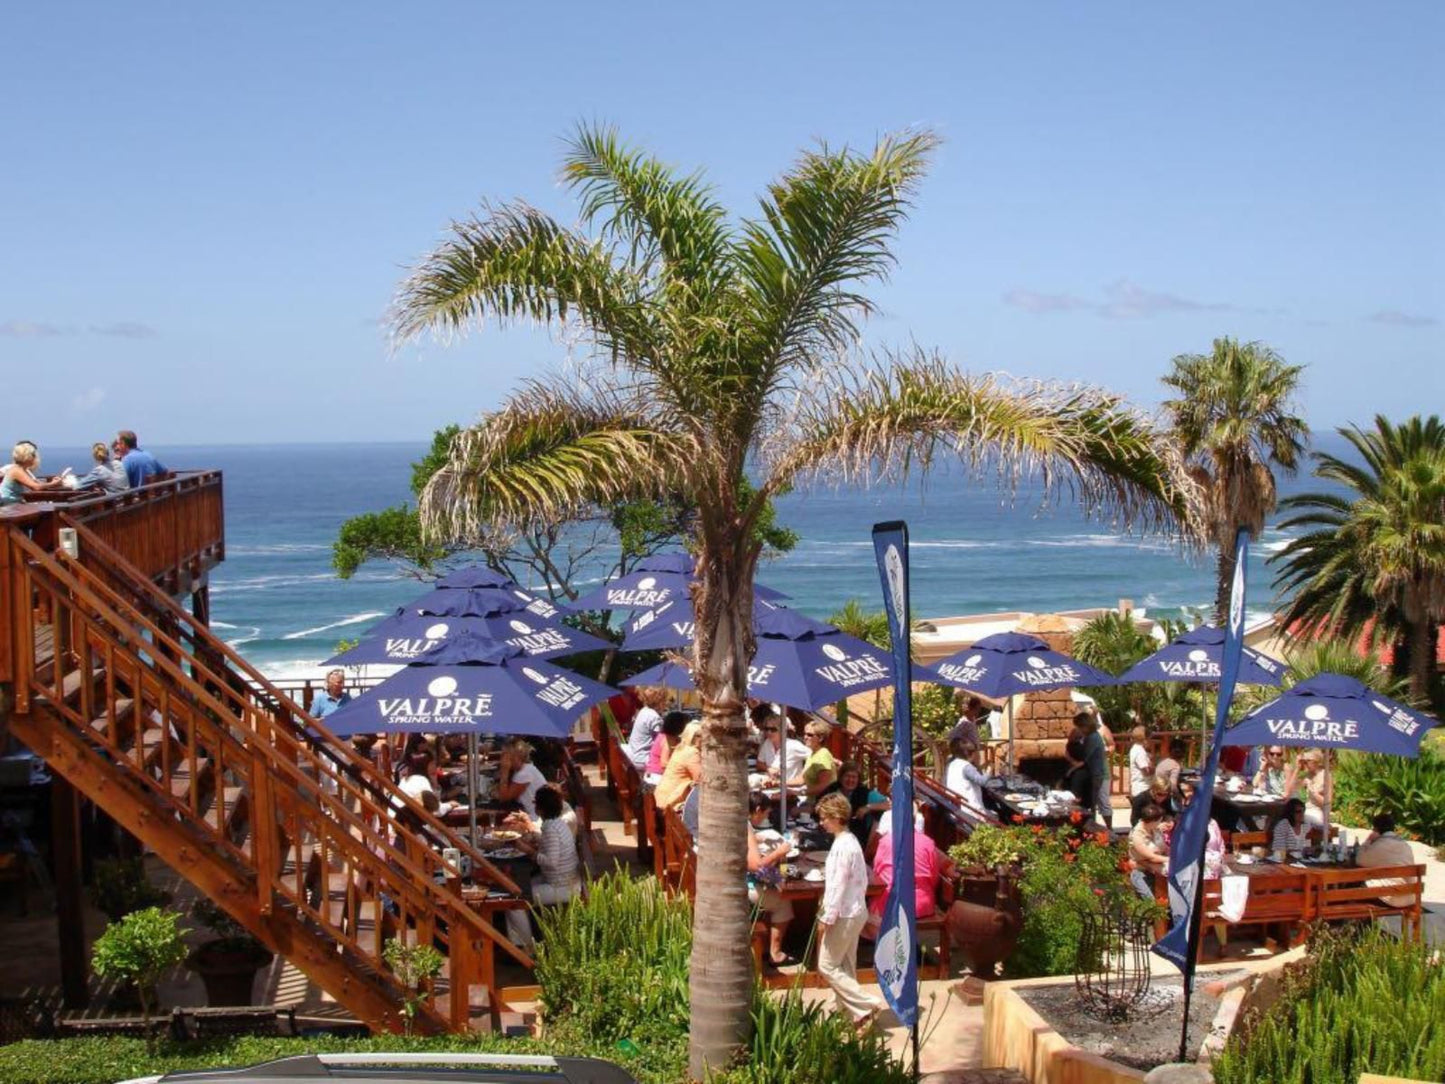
<point x="1368" y="893"/>
<point x="1243" y="842"/>
<point x="937" y="923"/>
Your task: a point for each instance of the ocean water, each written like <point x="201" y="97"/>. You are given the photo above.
<point x="277" y="600"/>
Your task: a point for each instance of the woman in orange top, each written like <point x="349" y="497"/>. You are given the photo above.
<point x="684" y="768"/>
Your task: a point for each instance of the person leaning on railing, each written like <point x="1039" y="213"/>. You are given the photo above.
<point x="107" y="475"/>
<point x="18" y="476"/>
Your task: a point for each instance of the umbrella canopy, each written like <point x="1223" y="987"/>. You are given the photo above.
<point x="406" y="636"/>
<point x="1332" y="711"/>
<point x="1009" y="663"/>
<point x="1197" y="655"/>
<point x="647" y="589"/>
<point x="474" y="576"/>
<point x="799" y="662"/>
<point x="671" y="625"/>
<point x="467" y="685"/>
<point x="481" y="602"/>
<point x="683" y="563"/>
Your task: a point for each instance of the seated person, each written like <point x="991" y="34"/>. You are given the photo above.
<point x="777" y="734"/>
<point x="1385" y="848"/>
<point x="1214" y="848"/>
<point x="668" y="737"/>
<point x="1312" y="783"/>
<point x="519" y="779"/>
<point x="1271" y="777"/>
<point x="417" y="782"/>
<point x="866" y="802"/>
<point x="107" y="475"/>
<point x="963" y="776"/>
<point x="930" y="866"/>
<point x="1287" y="831"/>
<point x="684" y="768"/>
<point x="1147" y="850"/>
<point x="1157" y="794"/>
<point x="560" y="871"/>
<point x="821" y="769"/>
<point x="1170" y="766"/>
<point x="762" y="867"/>
<point x="646" y="724"/>
<point x="520" y="822"/>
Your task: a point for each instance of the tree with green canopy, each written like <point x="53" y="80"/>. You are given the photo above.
<point x="1372" y="560"/>
<point x="1235" y="421"/>
<point x="724" y="350"/>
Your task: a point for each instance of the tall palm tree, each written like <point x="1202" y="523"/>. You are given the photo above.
<point x="722" y="352"/>
<point x="1235" y="422"/>
<point x="1374" y="555"/>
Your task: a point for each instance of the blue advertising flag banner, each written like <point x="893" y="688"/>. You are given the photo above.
<point x="1186" y="854"/>
<point x="896" y="958"/>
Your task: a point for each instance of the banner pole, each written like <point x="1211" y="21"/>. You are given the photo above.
<point x="1195" y="920"/>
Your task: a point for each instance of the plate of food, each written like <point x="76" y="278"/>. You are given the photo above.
<point x="505" y="853"/>
<point x="504" y="835"/>
<point x="1019" y="796"/>
<point x="814" y="875"/>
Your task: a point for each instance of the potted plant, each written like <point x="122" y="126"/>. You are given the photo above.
<point x="138" y="950"/>
<point x="228" y="963"/>
<point x="119" y="886"/>
<point x="415" y="966"/>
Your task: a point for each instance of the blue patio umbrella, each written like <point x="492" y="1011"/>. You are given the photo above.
<point x="406" y="636"/>
<point x="1008" y="663"/>
<point x="474" y="576"/>
<point x="469" y="685"/>
<point x="799" y="662"/>
<point x="667" y="562"/>
<point x="1196" y="656"/>
<point x="647" y="589"/>
<point x="1332" y="711"/>
<point x="671" y="625"/>
<point x="481" y="602"/>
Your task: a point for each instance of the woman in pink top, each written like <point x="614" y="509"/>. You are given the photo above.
<point x="930" y="866"/>
<point x="673" y="724"/>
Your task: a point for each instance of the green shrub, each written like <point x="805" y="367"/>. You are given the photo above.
<point x="1113" y="642"/>
<point x="616" y="963"/>
<point x="1064" y="874"/>
<point x="1365" y="1003"/>
<point x="415" y="966"/>
<point x="799" y="1043"/>
<point x="1413" y="790"/>
<point x="140" y="948"/>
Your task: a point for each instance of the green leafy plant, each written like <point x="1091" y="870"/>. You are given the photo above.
<point x="139" y="949"/>
<point x="616" y="964"/>
<point x="415" y="967"/>
<point x="1064" y="874"/>
<point x="119" y="886"/>
<point x="1412" y="790"/>
<point x="1365" y="1002"/>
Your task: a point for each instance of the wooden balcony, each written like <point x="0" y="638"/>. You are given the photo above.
<point x="171" y="531"/>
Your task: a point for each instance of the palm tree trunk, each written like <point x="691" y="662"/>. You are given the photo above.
<point x="721" y="975"/>
<point x="1422" y="659"/>
<point x="1224" y="581"/>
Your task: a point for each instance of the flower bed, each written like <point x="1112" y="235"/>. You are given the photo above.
<point x="1063" y="874"/>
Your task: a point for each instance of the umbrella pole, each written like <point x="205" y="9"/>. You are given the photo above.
<point x="472" y="788"/>
<point x="1008" y="711"/>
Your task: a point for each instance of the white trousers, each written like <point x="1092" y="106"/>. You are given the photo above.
<point x="838" y="964"/>
<point x="519" y="923"/>
<point x="771" y="903"/>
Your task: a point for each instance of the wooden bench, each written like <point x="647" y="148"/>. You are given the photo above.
<point x="1281" y="898"/>
<point x="1368" y="893"/>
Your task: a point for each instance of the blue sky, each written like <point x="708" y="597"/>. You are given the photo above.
<point x="204" y="209"/>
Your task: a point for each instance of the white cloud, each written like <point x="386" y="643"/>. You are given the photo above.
<point x="88" y="400"/>
<point x="1123" y="300"/>
<point x="32" y="329"/>
<point x="125" y="329"/>
<point x="1396" y="318"/>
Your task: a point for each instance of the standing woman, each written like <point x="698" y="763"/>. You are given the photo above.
<point x="843" y="913"/>
<point x="19" y="474"/>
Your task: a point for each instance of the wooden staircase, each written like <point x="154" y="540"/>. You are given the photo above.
<point x="133" y="701"/>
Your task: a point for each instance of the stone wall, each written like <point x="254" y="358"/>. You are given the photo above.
<point x="1043" y="720"/>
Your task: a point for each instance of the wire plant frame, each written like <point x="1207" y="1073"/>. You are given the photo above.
<point x="1111" y="973"/>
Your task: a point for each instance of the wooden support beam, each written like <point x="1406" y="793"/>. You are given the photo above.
<point x="69" y="917"/>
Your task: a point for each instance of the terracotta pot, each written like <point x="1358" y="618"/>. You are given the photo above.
<point x="985" y="933"/>
<point x="229" y="974"/>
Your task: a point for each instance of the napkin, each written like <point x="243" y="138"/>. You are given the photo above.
<point x="1233" y="895"/>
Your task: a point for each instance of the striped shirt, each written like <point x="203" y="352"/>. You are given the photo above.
<point x="557" y="854"/>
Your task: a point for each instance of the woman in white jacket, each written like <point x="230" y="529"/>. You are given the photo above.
<point x="844" y="913"/>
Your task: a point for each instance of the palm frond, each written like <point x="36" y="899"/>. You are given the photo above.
<point x="553" y="451"/>
<point x="516" y="263"/>
<point x="826" y="229"/>
<point x="638" y="201"/>
<point x="907" y="413"/>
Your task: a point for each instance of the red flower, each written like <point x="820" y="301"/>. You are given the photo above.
<point x="1070" y="857"/>
<point x="1018" y="818"/>
<point x="1098" y="891"/>
<point x="1038" y="829"/>
<point x="1076" y="817"/>
<point x="1104" y="839"/>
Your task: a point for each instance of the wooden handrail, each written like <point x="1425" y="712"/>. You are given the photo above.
<point x="293" y="818"/>
<point x="304" y="736"/>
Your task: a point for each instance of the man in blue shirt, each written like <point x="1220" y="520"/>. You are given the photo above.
<point x="331" y="697"/>
<point x="140" y="467"/>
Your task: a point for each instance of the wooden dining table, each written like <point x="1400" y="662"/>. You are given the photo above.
<point x="1058" y="814"/>
<point x="1235" y="810"/>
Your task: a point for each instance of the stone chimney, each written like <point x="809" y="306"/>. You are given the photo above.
<point x="1042" y="721"/>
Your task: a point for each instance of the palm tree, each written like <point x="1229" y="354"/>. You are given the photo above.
<point x="1234" y="420"/>
<point x="1373" y="559"/>
<point x="721" y="351"/>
